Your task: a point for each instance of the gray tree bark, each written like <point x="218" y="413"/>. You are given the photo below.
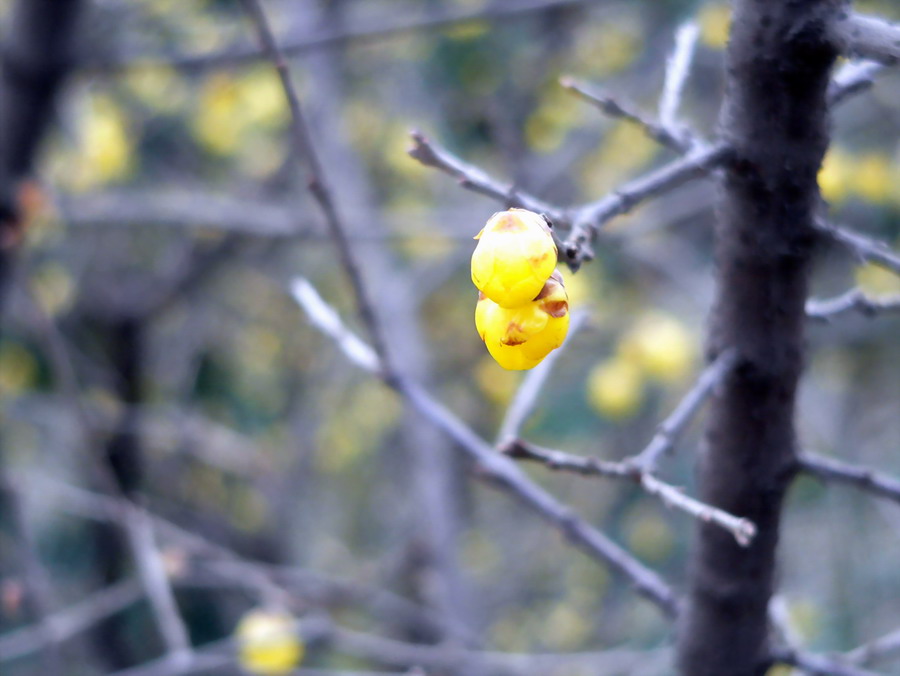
<point x="775" y="120"/>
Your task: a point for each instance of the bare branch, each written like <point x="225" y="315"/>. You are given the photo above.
<point x="677" y="68"/>
<point x="328" y="322"/>
<point x="530" y="388"/>
<point x="866" y="248"/>
<point x="742" y="529"/>
<point x="593" y="216"/>
<point x="886" y="647"/>
<point x="672" y="426"/>
<point x="853" y="77"/>
<point x="679" y="141"/>
<point x="70" y="621"/>
<point x="474" y="179"/>
<point x="318" y="187"/>
<point x="156" y="583"/>
<point x="868" y="37"/>
<point x="829" y="469"/>
<point x="503" y="473"/>
<point x="853" y="300"/>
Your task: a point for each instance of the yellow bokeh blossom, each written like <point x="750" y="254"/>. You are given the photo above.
<point x="873" y="180"/>
<point x="835" y="174"/>
<point x="715" y="22"/>
<point x="877" y="281"/>
<point x="519" y="338"/>
<point x="661" y="346"/>
<point x="514" y="257"/>
<point x="616" y="388"/>
<point x="268" y="642"/>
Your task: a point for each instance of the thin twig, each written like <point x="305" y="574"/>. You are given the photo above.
<point x="504" y="473"/>
<point x="883" y="648"/>
<point x="677" y="68"/>
<point x="829" y="469"/>
<point x="318" y="187"/>
<point x="328" y="322"/>
<point x="669" y="430"/>
<point x="853" y="77"/>
<point x="614" y="107"/>
<point x="590" y="217"/>
<point x="868" y="37"/>
<point x="867" y="249"/>
<point x="472" y="178"/>
<point x="742" y="529"/>
<point x="156" y="583"/>
<point x="526" y="395"/>
<point x="853" y="300"/>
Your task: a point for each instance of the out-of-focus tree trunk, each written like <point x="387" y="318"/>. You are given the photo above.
<point x="775" y="118"/>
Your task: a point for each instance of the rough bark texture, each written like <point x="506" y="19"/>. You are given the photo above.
<point x="775" y="118"/>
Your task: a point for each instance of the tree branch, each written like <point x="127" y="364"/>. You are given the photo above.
<point x="474" y="179"/>
<point x="868" y="37"/>
<point x="742" y="529"/>
<point x="887" y="646"/>
<point x="672" y="426"/>
<point x="318" y="187"/>
<point x="853" y="300"/>
<point x="677" y="68"/>
<point x="853" y="77"/>
<point x="864" y="478"/>
<point x="677" y="140"/>
<point x="867" y="249"/>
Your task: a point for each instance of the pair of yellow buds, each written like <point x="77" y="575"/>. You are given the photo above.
<point x="523" y="310"/>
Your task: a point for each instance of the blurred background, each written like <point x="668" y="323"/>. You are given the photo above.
<point x="149" y="330"/>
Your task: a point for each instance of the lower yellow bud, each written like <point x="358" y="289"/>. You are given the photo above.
<point x="519" y="338"/>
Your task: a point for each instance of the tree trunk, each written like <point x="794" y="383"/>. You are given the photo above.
<point x="775" y="119"/>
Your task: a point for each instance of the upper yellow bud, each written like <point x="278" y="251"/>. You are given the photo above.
<point x="519" y="338"/>
<point x="514" y="257"/>
<point x="268" y="642"/>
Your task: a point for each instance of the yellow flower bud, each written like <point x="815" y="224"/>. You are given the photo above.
<point x="514" y="257"/>
<point x="519" y="338"/>
<point x="268" y="642"/>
